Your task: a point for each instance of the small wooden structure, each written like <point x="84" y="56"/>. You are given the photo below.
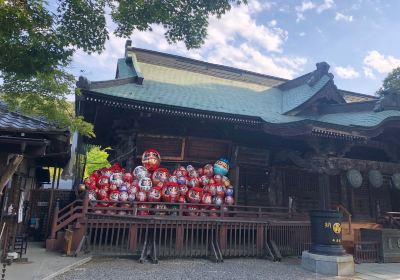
<point x="300" y="144"/>
<point x="27" y="145"/>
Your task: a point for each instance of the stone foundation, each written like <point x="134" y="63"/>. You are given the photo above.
<point x="328" y="265"/>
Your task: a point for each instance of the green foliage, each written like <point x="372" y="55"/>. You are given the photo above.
<point x="391" y="82"/>
<point x="96" y="159"/>
<point x="37" y="44"/>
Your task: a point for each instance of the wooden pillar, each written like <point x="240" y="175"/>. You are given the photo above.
<point x="260" y="237"/>
<point x="133" y="238"/>
<point x="344" y="199"/>
<point x="223" y="242"/>
<point x="324" y="192"/>
<point x="179" y="238"/>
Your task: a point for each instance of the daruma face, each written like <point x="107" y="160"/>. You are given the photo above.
<point x="151" y="159"/>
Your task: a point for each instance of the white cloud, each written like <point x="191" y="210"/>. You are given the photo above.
<point x="342" y="17"/>
<point x="368" y="73"/>
<point x="328" y="4"/>
<point x="236" y="40"/>
<point x="302" y="34"/>
<point x="381" y="63"/>
<point x="346" y="72"/>
<point x="308" y="6"/>
<point x="305" y="6"/>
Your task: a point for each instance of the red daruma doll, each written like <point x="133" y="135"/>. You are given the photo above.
<point x="170" y="192"/>
<point x="151" y="160"/>
<point x="194" y="195"/>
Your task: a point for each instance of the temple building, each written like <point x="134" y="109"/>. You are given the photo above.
<point x="298" y="144"/>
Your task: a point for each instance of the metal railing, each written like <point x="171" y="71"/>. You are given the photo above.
<point x="343" y="209"/>
<point x="366" y="252"/>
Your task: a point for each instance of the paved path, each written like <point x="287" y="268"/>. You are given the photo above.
<point x="378" y="271"/>
<point x="230" y="269"/>
<point x="41" y="264"/>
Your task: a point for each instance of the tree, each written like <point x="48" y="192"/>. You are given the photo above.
<point x="37" y="43"/>
<point x="96" y="159"/>
<point x="391" y="82"/>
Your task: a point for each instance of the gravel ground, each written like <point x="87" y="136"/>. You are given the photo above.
<point x="107" y="268"/>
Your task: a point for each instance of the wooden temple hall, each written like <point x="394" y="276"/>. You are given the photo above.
<point x="293" y="146"/>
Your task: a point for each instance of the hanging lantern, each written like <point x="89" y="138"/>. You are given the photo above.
<point x="396" y="181"/>
<point x="354" y="178"/>
<point x="375" y="178"/>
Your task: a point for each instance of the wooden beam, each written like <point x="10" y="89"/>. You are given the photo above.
<point x="9" y="171"/>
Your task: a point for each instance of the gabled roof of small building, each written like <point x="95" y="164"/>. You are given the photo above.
<point x="168" y="80"/>
<point x="14" y="121"/>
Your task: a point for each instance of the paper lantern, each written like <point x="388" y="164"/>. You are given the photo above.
<point x="151" y="160"/>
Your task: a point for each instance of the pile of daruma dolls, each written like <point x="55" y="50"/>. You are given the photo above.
<point x="115" y="188"/>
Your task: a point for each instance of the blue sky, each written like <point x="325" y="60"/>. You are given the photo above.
<point x="359" y="39"/>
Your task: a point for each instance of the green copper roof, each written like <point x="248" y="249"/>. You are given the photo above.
<point x="190" y="89"/>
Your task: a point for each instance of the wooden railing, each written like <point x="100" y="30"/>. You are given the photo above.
<point x="343" y="209"/>
<point x="194" y="210"/>
<point x="68" y="215"/>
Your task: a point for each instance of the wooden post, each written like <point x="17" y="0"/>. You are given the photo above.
<point x="133" y="238"/>
<point x="51" y="201"/>
<point x="58" y="178"/>
<point x="260" y="237"/>
<point x="85" y="204"/>
<point x="324" y="192"/>
<point x="9" y="171"/>
<point x="179" y="238"/>
<point x="223" y="242"/>
<point x="55" y="218"/>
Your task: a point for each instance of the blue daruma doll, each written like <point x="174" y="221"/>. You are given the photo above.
<point x="221" y="167"/>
